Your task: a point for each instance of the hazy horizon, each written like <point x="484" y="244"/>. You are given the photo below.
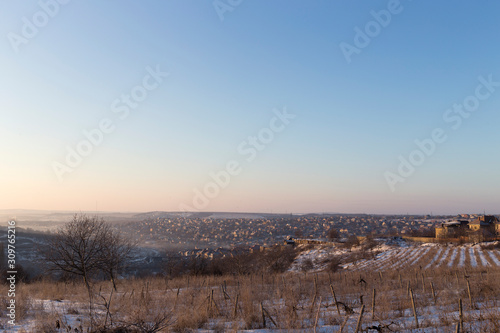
<point x="92" y="212"/>
<point x="383" y="107"/>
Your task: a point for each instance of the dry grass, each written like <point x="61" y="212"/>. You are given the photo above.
<point x="290" y="300"/>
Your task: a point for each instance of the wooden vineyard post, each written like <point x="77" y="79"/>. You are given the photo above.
<point x="433" y="293"/>
<point x="263" y="315"/>
<point x="313" y="302"/>
<point x="414" y="308"/>
<point x="373" y="305"/>
<point x="335" y="299"/>
<point x="315" y="284"/>
<point x="235" y="312"/>
<point x="209" y="305"/>
<point x="212" y="302"/>
<point x="212" y="297"/>
<point x="317" y="315"/>
<point x="470" y="296"/>
<point x="176" y="297"/>
<point x="343" y="324"/>
<point x="460" y="314"/>
<point x="358" y="325"/>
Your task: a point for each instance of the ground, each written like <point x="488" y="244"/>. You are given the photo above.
<point x="399" y="276"/>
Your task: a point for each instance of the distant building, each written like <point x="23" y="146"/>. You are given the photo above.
<point x="452" y="229"/>
<point x="289" y="241"/>
<point x="486" y="222"/>
<point x="485" y="226"/>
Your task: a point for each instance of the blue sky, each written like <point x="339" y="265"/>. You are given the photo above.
<point x="227" y="80"/>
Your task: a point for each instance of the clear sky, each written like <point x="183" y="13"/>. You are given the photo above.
<point x="292" y="106"/>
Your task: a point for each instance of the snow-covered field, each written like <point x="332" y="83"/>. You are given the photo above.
<point x="405" y="255"/>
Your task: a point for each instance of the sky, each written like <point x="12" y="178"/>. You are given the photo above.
<point x="250" y="106"/>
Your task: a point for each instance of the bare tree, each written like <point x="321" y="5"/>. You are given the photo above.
<point x="117" y="252"/>
<point x="87" y="247"/>
<point x="333" y="234"/>
<point x="78" y="246"/>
